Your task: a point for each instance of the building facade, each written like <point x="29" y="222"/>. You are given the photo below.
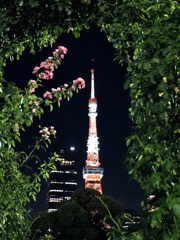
<point x="63" y="180"/>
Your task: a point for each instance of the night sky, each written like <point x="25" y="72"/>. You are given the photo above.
<point x="71" y="119"/>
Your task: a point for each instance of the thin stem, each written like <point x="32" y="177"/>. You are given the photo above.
<point x="30" y="154"/>
<point x="111" y="217"/>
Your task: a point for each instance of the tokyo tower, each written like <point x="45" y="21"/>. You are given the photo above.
<point x="92" y="172"/>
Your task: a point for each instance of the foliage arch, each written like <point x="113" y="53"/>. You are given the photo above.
<point x="146" y="37"/>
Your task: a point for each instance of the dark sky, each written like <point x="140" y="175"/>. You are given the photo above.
<point x="71" y="119"/>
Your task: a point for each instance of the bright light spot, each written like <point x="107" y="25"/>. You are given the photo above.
<point x="72" y="148"/>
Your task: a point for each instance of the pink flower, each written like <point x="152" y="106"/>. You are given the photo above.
<point x="53" y="89"/>
<point x="62" y="49"/>
<point x="49" y="74"/>
<point x="36" y="103"/>
<point x="62" y="56"/>
<point x="42" y="65"/>
<point x="32" y="82"/>
<point x="43" y="75"/>
<point x="35" y="69"/>
<point x="46" y="75"/>
<point x="47" y="64"/>
<point x="51" y="68"/>
<point x="47" y="95"/>
<point x="32" y="90"/>
<point x="73" y="87"/>
<point x="80" y="82"/>
<point x="58" y="89"/>
<point x="46" y="132"/>
<point x="59" y="98"/>
<point x="65" y="85"/>
<point x="30" y="102"/>
<point x="33" y="110"/>
<point x="55" y="53"/>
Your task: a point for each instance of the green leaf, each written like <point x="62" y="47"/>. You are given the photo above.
<point x="166" y="236"/>
<point x="155" y="60"/>
<point x="147" y="66"/>
<point x="51" y="107"/>
<point x="128" y="141"/>
<point x="76" y="34"/>
<point x="34" y="197"/>
<point x="176" y="210"/>
<point x="127" y="83"/>
<point x="153" y="223"/>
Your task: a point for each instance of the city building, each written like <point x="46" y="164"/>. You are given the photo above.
<point x="92" y="172"/>
<point x="63" y="180"/>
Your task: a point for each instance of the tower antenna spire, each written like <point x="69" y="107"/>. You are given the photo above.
<point x="92" y="171"/>
<point x="92" y="81"/>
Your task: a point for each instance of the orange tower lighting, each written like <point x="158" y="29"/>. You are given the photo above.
<point x="92" y="172"/>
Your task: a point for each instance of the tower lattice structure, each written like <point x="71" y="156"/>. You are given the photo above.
<point x="92" y="172"/>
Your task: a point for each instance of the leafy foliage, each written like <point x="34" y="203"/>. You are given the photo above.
<point x="148" y="43"/>
<point x="116" y="230"/>
<point x="39" y="23"/>
<point x="78" y="218"/>
<point x="145" y="34"/>
<point x="18" y="109"/>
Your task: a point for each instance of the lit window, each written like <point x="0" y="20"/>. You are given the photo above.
<point x="55" y="199"/>
<point x="55" y="190"/>
<point x="71" y="171"/>
<point x="52" y="210"/>
<point x="67" y="198"/>
<point x="66" y="162"/>
<point x="71" y="183"/>
<point x="56" y="182"/>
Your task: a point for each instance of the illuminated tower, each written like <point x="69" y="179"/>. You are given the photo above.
<point x="92" y="172"/>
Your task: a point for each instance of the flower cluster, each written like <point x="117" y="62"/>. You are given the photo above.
<point x="32" y="85"/>
<point x="56" y="92"/>
<point x="45" y="72"/>
<point x="33" y="100"/>
<point x="46" y="68"/>
<point x="34" y="104"/>
<point x="80" y="83"/>
<point x="46" y="132"/>
<point x="60" y="50"/>
<point x="47" y="94"/>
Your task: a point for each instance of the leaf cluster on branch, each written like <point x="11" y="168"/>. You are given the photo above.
<point x="145" y="34"/>
<point x="146" y="37"/>
<point x="18" y="110"/>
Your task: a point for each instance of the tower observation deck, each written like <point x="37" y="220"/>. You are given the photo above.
<point x="92" y="172"/>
